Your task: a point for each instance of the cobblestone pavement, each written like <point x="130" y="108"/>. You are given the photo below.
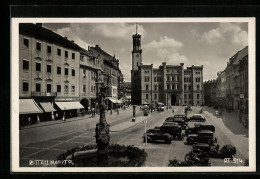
<point x="46" y="143"/>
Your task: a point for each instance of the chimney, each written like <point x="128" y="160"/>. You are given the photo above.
<point x="97" y="46"/>
<point x="39" y="24"/>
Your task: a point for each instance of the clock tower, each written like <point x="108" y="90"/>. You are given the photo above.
<point x="137" y="51"/>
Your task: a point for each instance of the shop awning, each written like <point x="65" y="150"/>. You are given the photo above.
<point x="47" y="107"/>
<point x="120" y="101"/>
<point x="69" y="105"/>
<point x="28" y="106"/>
<point x="113" y="100"/>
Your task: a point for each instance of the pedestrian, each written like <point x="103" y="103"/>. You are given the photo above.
<point x="29" y="120"/>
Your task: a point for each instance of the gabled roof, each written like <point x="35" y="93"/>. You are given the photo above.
<point x="41" y="33"/>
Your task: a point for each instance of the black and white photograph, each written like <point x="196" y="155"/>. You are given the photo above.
<point x="133" y="94"/>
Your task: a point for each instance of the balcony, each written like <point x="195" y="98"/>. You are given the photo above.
<point x="43" y="94"/>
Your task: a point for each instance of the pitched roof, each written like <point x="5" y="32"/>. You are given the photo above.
<point x="240" y="55"/>
<point x="41" y="33"/>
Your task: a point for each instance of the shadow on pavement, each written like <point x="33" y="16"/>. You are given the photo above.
<point x="231" y="121"/>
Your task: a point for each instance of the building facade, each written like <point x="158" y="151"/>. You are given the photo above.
<point x="57" y="78"/>
<point x="169" y="84"/>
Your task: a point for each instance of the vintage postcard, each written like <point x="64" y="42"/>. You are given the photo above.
<point x="133" y="95"/>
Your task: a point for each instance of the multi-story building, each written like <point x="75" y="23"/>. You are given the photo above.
<point x="170" y="84"/>
<point x="57" y="77"/>
<point x="90" y="76"/>
<point x="49" y="70"/>
<point x="243" y="71"/>
<point x="209" y="92"/>
<point x="112" y="76"/>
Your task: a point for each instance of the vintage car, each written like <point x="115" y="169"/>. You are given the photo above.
<point x="198" y="127"/>
<point x="173" y="129"/>
<point x="155" y="135"/>
<point x="182" y="116"/>
<point x="180" y="121"/>
<point x="227" y="151"/>
<point x="203" y="136"/>
<point x="188" y="108"/>
<point x="160" y="107"/>
<point x="197" y="117"/>
<point x="146" y="110"/>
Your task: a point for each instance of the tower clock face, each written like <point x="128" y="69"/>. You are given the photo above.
<point x="137" y="55"/>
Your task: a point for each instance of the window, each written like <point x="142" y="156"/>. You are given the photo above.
<point x="172" y="86"/>
<point x="185" y="96"/>
<point x="81" y="57"/>
<point x="155" y="87"/>
<point x="48" y="88"/>
<point x="48" y="68"/>
<point x="58" y="88"/>
<point x="73" y="55"/>
<point x="59" y="52"/>
<point x="198" y="102"/>
<point x="168" y="86"/>
<point x="72" y="72"/>
<point x="91" y="89"/>
<point x="178" y="78"/>
<point x="168" y="78"/>
<point x="26" y="43"/>
<point x="160" y="87"/>
<point x="147" y="96"/>
<point x="189" y="95"/>
<point x="147" y="87"/>
<point x="84" y="73"/>
<point x="94" y="89"/>
<point x="198" y="87"/>
<point x="197" y="79"/>
<point x="25" y="64"/>
<point x="84" y="88"/>
<point x="178" y="87"/>
<point x="38" y="87"/>
<point x="25" y="86"/>
<point x="198" y="96"/>
<point x="66" y="71"/>
<point x="58" y="70"/>
<point x="66" y="53"/>
<point x="73" y="89"/>
<point x="48" y="49"/>
<point x="38" y="46"/>
<point x="189" y="87"/>
<point x="185" y="86"/>
<point x="146" y="78"/>
<point x="66" y="88"/>
<point x="154" y="79"/>
<point x="38" y="66"/>
<point x="155" y="96"/>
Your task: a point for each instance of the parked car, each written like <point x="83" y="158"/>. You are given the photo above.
<point x="203" y="136"/>
<point x="198" y="127"/>
<point x="155" y="135"/>
<point x="181" y="116"/>
<point x="173" y="129"/>
<point x="146" y="110"/>
<point x="197" y="117"/>
<point x="227" y="151"/>
<point x="180" y="121"/>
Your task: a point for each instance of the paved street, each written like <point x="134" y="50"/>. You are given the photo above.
<point x="47" y="142"/>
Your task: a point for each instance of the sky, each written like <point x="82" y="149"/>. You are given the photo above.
<point x="210" y="44"/>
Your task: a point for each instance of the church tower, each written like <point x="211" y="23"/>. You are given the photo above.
<point x="137" y="51"/>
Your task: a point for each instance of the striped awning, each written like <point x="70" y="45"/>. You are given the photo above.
<point x="69" y="105"/>
<point x="28" y="106"/>
<point x="47" y="107"/>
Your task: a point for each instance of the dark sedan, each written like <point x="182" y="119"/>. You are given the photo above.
<point x="197" y="117"/>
